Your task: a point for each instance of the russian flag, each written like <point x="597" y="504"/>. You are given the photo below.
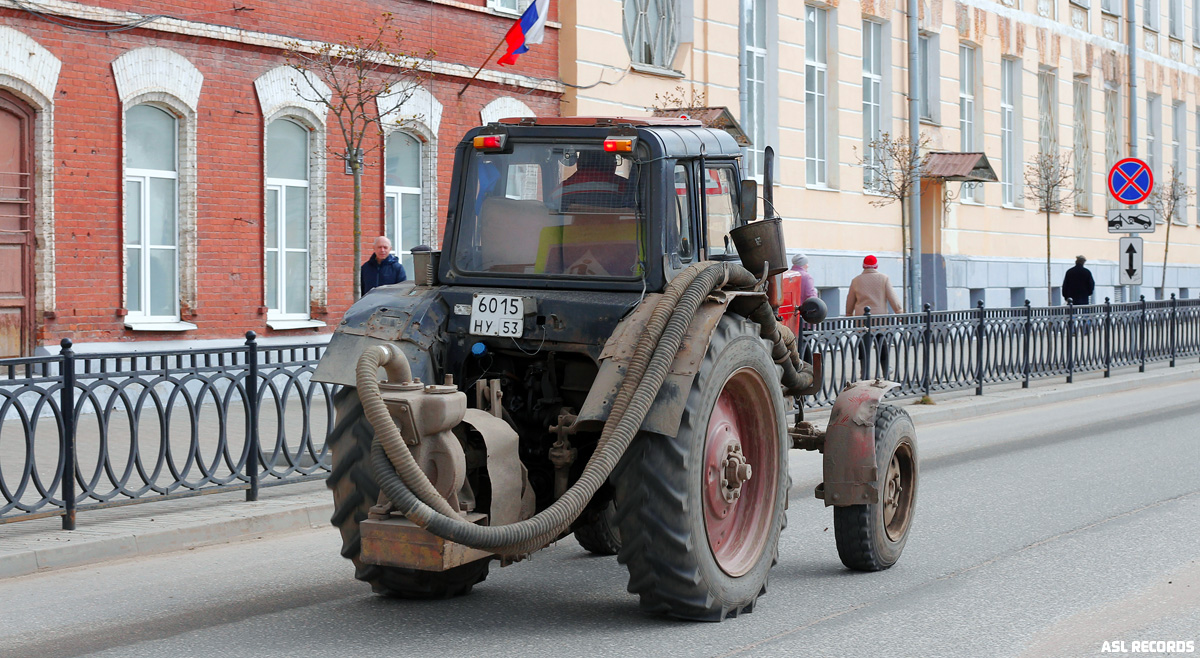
<point x="528" y="29"/>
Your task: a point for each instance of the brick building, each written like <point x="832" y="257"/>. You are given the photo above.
<point x="162" y="179"/>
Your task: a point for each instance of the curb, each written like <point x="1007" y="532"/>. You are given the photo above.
<point x="114" y="540"/>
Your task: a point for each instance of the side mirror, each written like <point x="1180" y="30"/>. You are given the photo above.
<point x="749" y="207"/>
<point x="813" y="310"/>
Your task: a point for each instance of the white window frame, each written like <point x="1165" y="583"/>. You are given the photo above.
<point x="1154" y="132"/>
<point x="1175" y="19"/>
<point x="929" y="72"/>
<point x="1048" y="110"/>
<point x="1198" y="164"/>
<point x="1150" y="14"/>
<point x="754" y="109"/>
<point x="872" y="84"/>
<point x="393" y="198"/>
<point x="1196" y="22"/>
<point x="1082" y="152"/>
<point x="1112" y="132"/>
<point x="663" y="44"/>
<point x="1010" y="161"/>
<point x="967" y="71"/>
<point x="816" y="95"/>
<point x="1112" y="7"/>
<point x="284" y="187"/>
<point x="515" y="7"/>
<point x="144" y="176"/>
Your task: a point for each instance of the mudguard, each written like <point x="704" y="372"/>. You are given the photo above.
<point x="667" y="410"/>
<point x="850" y="471"/>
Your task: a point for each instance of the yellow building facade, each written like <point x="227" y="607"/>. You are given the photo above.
<point x="821" y="81"/>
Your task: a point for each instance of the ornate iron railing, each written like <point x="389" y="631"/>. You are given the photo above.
<point x="154" y="425"/>
<point x="937" y="351"/>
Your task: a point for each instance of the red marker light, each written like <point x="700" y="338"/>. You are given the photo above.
<point x="489" y="142"/>
<point x="618" y="145"/>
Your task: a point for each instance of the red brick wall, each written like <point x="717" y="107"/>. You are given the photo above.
<point x="87" y="166"/>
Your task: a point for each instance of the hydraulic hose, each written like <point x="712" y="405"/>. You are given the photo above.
<point x="409" y="489"/>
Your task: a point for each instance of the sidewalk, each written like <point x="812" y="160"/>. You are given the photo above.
<point x="30" y="546"/>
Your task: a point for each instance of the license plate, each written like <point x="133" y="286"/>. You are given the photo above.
<point x="497" y="315"/>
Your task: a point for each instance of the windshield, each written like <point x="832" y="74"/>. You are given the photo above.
<point x="550" y="209"/>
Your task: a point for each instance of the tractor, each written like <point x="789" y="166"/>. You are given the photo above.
<point x="598" y="349"/>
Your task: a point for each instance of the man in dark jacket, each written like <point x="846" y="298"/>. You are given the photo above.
<point x="382" y="268"/>
<point x="1078" y="284"/>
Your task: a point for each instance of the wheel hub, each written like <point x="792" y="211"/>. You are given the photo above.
<point x="736" y="471"/>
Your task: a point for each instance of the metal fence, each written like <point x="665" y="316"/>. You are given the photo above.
<point x="155" y="425"/>
<point x="936" y="351"/>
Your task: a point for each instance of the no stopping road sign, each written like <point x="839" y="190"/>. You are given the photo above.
<point x="1130" y="181"/>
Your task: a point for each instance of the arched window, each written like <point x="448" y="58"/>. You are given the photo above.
<point x="402" y="192"/>
<point x="286" y="221"/>
<point x="151" y="213"/>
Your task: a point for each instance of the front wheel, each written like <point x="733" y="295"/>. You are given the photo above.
<point x="871" y="537"/>
<point x="700" y="513"/>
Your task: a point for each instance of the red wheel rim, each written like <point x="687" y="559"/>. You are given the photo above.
<point x="742" y="418"/>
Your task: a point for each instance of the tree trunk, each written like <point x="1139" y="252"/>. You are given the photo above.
<point x="1166" y="249"/>
<point x="1049" y="281"/>
<point x="356" y="170"/>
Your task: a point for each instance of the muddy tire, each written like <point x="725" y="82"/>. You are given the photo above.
<point x="598" y="533"/>
<point x="691" y="552"/>
<point x="355" y="491"/>
<point x="871" y="537"/>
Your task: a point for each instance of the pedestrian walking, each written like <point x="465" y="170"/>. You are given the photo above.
<point x="807" y="287"/>
<point x="382" y="268"/>
<point x="1078" y="284"/>
<point x="872" y="289"/>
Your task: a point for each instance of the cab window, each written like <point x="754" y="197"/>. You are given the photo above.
<point x="722" y="209"/>
<point x="682" y="223"/>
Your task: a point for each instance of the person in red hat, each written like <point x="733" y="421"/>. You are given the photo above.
<point x="872" y="289"/>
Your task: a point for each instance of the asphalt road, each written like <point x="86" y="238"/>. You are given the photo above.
<point x="1044" y="532"/>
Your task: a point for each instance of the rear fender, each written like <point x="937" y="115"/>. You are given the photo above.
<point x="850" y="471"/>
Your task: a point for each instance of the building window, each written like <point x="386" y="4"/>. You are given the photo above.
<point x="1150" y="12"/>
<point x="1198" y="163"/>
<point x="1175" y="19"/>
<point x="1196" y="22"/>
<point x="872" y="82"/>
<point x="650" y="31"/>
<point x="1047" y="115"/>
<point x="151" y="214"/>
<point x="1010" y="158"/>
<point x="1178" y="162"/>
<point x="1083" y="146"/>
<point x="1111" y="6"/>
<point x="286" y="221"/>
<point x="402" y="192"/>
<point x="1112" y="132"/>
<point x="925" y="48"/>
<point x="816" y="71"/>
<point x="966" y="110"/>
<point x="754" y="82"/>
<point x="511" y="6"/>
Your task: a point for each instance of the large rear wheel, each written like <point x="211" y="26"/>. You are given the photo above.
<point x="700" y="513"/>
<point x="871" y="537"/>
<point x="355" y="491"/>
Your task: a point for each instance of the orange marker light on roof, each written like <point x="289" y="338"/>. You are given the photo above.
<point x="618" y="145"/>
<point x="488" y="142"/>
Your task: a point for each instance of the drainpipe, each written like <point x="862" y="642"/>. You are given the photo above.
<point x="914" y="136"/>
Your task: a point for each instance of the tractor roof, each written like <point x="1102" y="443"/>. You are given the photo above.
<point x="601" y="122"/>
<point x="675" y="137"/>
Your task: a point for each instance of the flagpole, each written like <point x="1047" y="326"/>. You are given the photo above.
<point x="489" y="58"/>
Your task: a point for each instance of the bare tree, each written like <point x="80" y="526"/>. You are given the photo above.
<point x="1048" y="180"/>
<point x="890" y="174"/>
<point x="363" y="82"/>
<point x="1169" y="198"/>
<point x="680" y="99"/>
